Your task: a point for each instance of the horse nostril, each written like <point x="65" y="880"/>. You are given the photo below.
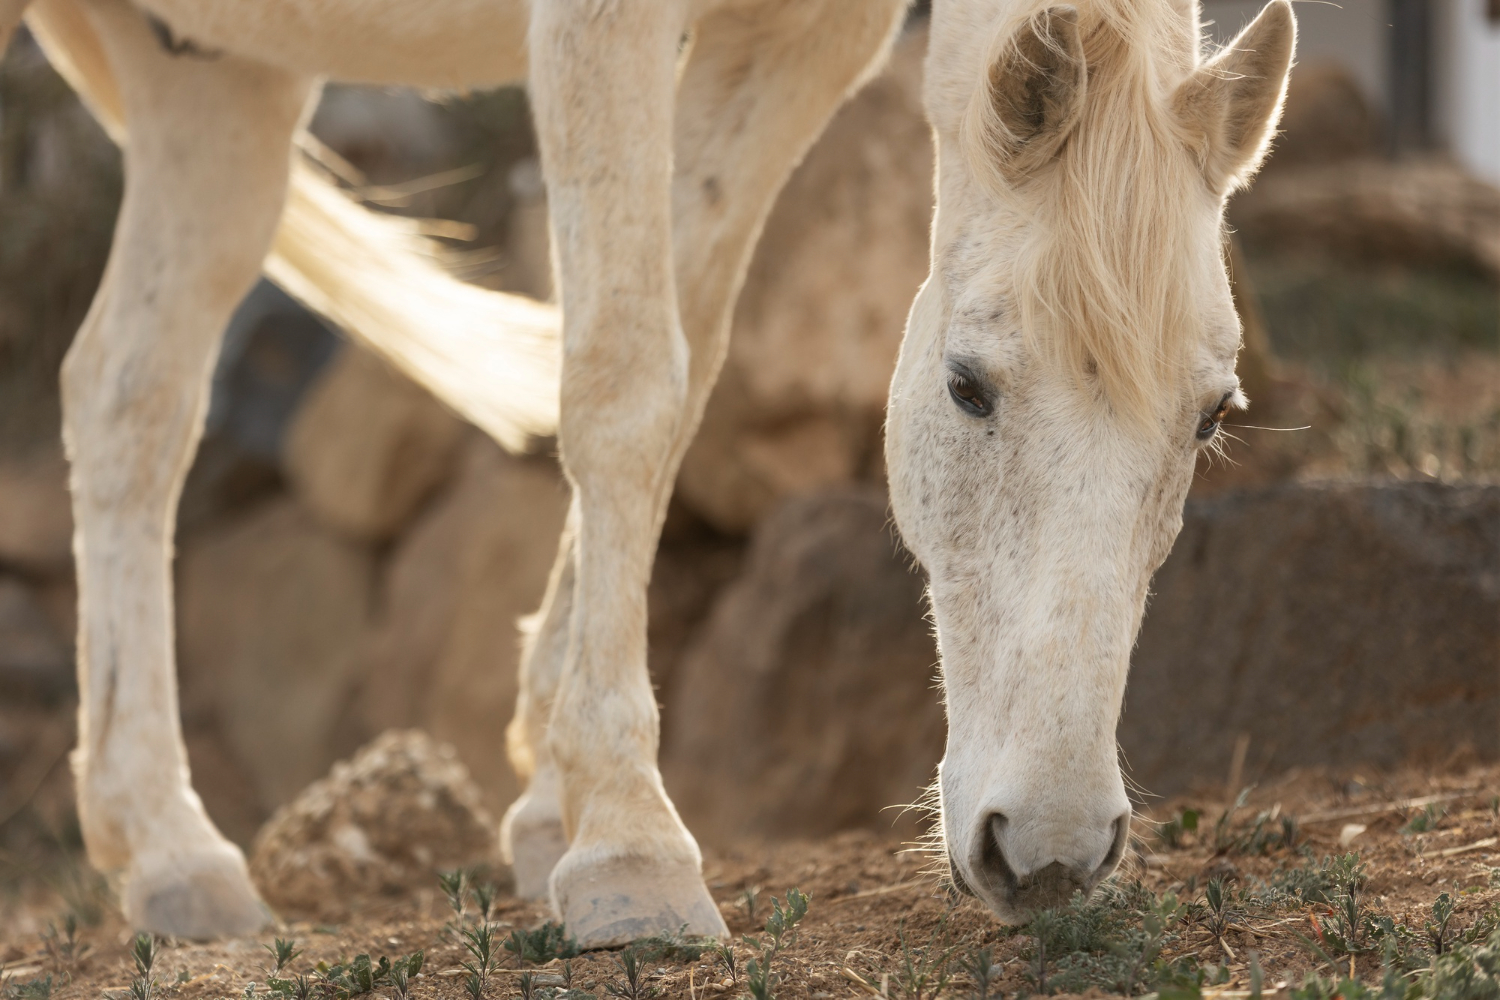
<point x="1121" y="829"/>
<point x="994" y="871"/>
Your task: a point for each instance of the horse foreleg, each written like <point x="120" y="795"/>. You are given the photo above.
<point x="602" y="84"/>
<point x="756" y="92"/>
<point x="207" y="162"/>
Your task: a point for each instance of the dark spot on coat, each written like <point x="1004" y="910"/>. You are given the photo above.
<point x="176" y="46"/>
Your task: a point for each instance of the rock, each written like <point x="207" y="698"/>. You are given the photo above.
<point x="381" y="823"/>
<point x="1326" y="119"/>
<point x="1422" y="213"/>
<point x="801" y="400"/>
<point x="446" y="648"/>
<point x="806" y="704"/>
<point x="1346" y="624"/>
<point x="271" y="610"/>
<point x="693" y="565"/>
<point x="36" y="513"/>
<point x="368" y="446"/>
<point x="36" y="663"/>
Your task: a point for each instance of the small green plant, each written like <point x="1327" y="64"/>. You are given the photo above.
<point x="925" y="971"/>
<point x="282" y="953"/>
<point x="982" y="971"/>
<point x="1266" y="834"/>
<point x="483" y="894"/>
<point x="144" y="952"/>
<point x="636" y="985"/>
<point x="1437" y="927"/>
<point x="761" y="978"/>
<point x="300" y="987"/>
<point x="39" y="988"/>
<point x="1427" y="820"/>
<point x="63" y="945"/>
<point x="479" y="942"/>
<point x="525" y="986"/>
<point x="1318" y="882"/>
<point x="1218" y="916"/>
<point x="678" y="946"/>
<point x="1112" y="943"/>
<point x="1171" y="832"/>
<point x="748" y="899"/>
<point x="362" y="976"/>
<point x="724" y="955"/>
<point x="1466" y="972"/>
<point x="1350" y="927"/>
<point x="454" y="885"/>
<point x="537" y="947"/>
<point x="782" y="924"/>
<point x="1224" y="838"/>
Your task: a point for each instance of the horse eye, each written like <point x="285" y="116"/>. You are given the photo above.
<point x="968" y="395"/>
<point x="1213" y="420"/>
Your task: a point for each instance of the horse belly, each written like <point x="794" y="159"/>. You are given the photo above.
<point x="429" y="43"/>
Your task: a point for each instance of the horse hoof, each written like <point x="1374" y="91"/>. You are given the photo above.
<point x="618" y="900"/>
<point x="533" y="845"/>
<point x="201" y="895"/>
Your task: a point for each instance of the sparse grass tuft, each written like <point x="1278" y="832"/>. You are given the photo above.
<point x="982" y="971"/>
<point x="63" y="945"/>
<point x="282" y="953"/>
<point x="144" y="952"/>
<point x="637" y="982"/>
<point x="925" y="971"/>
<point x="1171" y="832"/>
<point x="1427" y="820"/>
<point x="1113" y="943"/>
<point x="542" y="945"/>
<point x="678" y="946"/>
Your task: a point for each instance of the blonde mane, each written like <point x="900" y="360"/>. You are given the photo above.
<point x="1103" y="283"/>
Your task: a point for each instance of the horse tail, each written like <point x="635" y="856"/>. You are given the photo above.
<point x="491" y="356"/>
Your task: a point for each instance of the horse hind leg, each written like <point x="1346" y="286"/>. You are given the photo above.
<point x="207" y="163"/>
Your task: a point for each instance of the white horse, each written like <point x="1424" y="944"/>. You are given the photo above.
<point x="1071" y="351"/>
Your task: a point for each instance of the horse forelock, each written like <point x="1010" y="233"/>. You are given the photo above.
<point x="1105" y="283"/>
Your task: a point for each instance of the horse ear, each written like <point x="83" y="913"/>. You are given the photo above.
<point x="1231" y="104"/>
<point x="1034" y="93"/>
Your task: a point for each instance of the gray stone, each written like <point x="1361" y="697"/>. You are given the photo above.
<point x="806" y="704"/>
<point x="1341" y="624"/>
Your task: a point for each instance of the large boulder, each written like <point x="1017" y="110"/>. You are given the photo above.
<point x="271" y="609"/>
<point x="367" y="446"/>
<point x="802" y="396"/>
<point x="36" y="513"/>
<point x="1347" y="624"/>
<point x="381" y="824"/>
<point x="1326" y="119"/>
<point x="36" y="662"/>
<point x="1421" y="213"/>
<point x="446" y="646"/>
<point x="806" y="704"/>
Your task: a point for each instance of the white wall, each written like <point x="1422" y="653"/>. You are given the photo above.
<point x="1468" y="86"/>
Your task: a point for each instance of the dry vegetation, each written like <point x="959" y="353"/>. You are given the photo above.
<point x="1315" y="885"/>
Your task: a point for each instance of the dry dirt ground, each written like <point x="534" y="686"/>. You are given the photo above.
<point x="876" y="923"/>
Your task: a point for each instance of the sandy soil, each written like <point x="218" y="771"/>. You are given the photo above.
<point x="869" y="894"/>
